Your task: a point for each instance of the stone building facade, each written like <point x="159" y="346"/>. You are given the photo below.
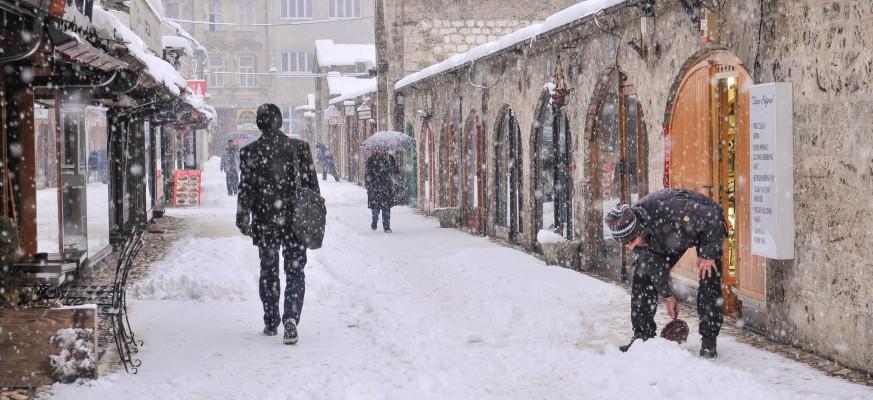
<point x="547" y="133"/>
<point x="412" y="35"/>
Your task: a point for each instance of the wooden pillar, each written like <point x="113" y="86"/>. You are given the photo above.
<point x="27" y="170"/>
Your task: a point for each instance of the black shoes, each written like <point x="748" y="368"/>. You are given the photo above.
<point x="625" y="348"/>
<point x="269" y="331"/>
<point x="387" y="230"/>
<point x="707" y="348"/>
<point x="373" y="225"/>
<point x="290" y="333"/>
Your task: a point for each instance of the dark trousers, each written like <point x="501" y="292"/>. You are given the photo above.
<point x="644" y="302"/>
<point x="295" y="286"/>
<point x="386" y="216"/>
<point x="232" y="183"/>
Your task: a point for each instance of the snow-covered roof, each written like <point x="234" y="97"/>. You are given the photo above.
<point x="108" y="25"/>
<point x="370" y="87"/>
<point x="332" y="54"/>
<point x="557" y="20"/>
<point x="178" y="42"/>
<point x="309" y="114"/>
<point x="341" y="85"/>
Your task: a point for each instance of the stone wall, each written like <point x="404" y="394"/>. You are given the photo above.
<point x="820" y="46"/>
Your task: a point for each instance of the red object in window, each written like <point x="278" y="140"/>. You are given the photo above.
<point x="57" y="7"/>
<point x="186" y="188"/>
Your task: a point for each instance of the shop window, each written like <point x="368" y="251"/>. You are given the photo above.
<point x="507" y="186"/>
<point x="552" y="186"/>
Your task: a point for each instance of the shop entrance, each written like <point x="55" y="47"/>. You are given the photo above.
<point x="708" y="151"/>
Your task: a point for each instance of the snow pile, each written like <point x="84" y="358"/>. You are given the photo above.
<point x="330" y="54"/>
<point x="201" y="106"/>
<point x="76" y="358"/>
<point x="310" y="103"/>
<point x="557" y="20"/>
<point x="203" y="269"/>
<point x="183" y="33"/>
<point x="108" y="25"/>
<point x="546" y="236"/>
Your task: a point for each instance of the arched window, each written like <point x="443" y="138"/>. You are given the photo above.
<point x="507" y="188"/>
<point x="473" y="188"/>
<point x="552" y="189"/>
<point x="410" y="168"/>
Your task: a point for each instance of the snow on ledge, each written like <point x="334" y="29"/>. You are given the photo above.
<point x="545" y="236"/>
<point x="561" y="18"/>
<point x="369" y="87"/>
<point x="333" y="54"/>
<point x="108" y="25"/>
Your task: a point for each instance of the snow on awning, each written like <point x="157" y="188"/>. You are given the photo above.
<point x="340" y="85"/>
<point x="178" y="42"/>
<point x="329" y="53"/>
<point x="310" y="103"/>
<point x="183" y="33"/>
<point x="108" y="25"/>
<point x="198" y="104"/>
<point x="557" y="20"/>
<point x="370" y="87"/>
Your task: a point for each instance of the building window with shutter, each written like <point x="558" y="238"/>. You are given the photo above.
<point x="214" y="15"/>
<point x="246" y="71"/>
<point x="291" y="9"/>
<point x="345" y="8"/>
<point x="246" y="12"/>
<point x="216" y="65"/>
<point x="297" y="61"/>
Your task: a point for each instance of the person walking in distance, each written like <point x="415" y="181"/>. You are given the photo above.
<point x="325" y="158"/>
<point x="380" y="187"/>
<point x="272" y="168"/>
<point x="229" y="165"/>
<point x="659" y="229"/>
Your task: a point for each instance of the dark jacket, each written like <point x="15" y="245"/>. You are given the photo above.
<point x="229" y="161"/>
<point x="675" y="220"/>
<point x="270" y="169"/>
<point x="377" y="178"/>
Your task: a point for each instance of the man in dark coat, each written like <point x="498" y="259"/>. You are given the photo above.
<point x="659" y="229"/>
<point x="229" y="166"/>
<point x="273" y="168"/>
<point x="325" y="158"/>
<point x="380" y="187"/>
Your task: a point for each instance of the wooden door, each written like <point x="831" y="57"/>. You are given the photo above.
<point x="473" y="174"/>
<point x="709" y="153"/>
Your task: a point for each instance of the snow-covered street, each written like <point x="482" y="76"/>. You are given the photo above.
<point x="424" y="313"/>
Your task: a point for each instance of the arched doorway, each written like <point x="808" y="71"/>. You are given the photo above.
<point x="410" y="168"/>
<point x="619" y="156"/>
<point x="473" y="192"/>
<point x="551" y="186"/>
<point x="708" y="151"/>
<point x="507" y="174"/>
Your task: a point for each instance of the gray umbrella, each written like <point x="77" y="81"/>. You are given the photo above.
<point x="387" y="140"/>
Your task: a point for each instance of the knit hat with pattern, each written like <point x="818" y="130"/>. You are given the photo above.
<point x="624" y="223"/>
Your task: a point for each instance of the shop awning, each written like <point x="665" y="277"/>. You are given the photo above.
<point x="80" y="51"/>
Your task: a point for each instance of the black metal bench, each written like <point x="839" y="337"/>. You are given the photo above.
<point x="112" y="302"/>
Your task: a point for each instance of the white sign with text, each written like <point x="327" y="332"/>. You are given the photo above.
<point x="772" y="178"/>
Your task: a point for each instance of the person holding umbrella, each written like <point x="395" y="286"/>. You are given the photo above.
<point x="380" y="187"/>
<point x="381" y="166"/>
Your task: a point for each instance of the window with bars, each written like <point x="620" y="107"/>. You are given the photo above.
<point x="297" y="61"/>
<point x="295" y="8"/>
<point x="246" y="69"/>
<point x="345" y="8"/>
<point x="246" y="12"/>
<point x="216" y="64"/>
<point x="214" y="15"/>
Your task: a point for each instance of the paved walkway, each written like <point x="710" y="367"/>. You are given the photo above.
<point x="424" y="313"/>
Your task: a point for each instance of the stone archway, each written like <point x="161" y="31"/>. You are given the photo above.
<point x="508" y="199"/>
<point x="551" y="187"/>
